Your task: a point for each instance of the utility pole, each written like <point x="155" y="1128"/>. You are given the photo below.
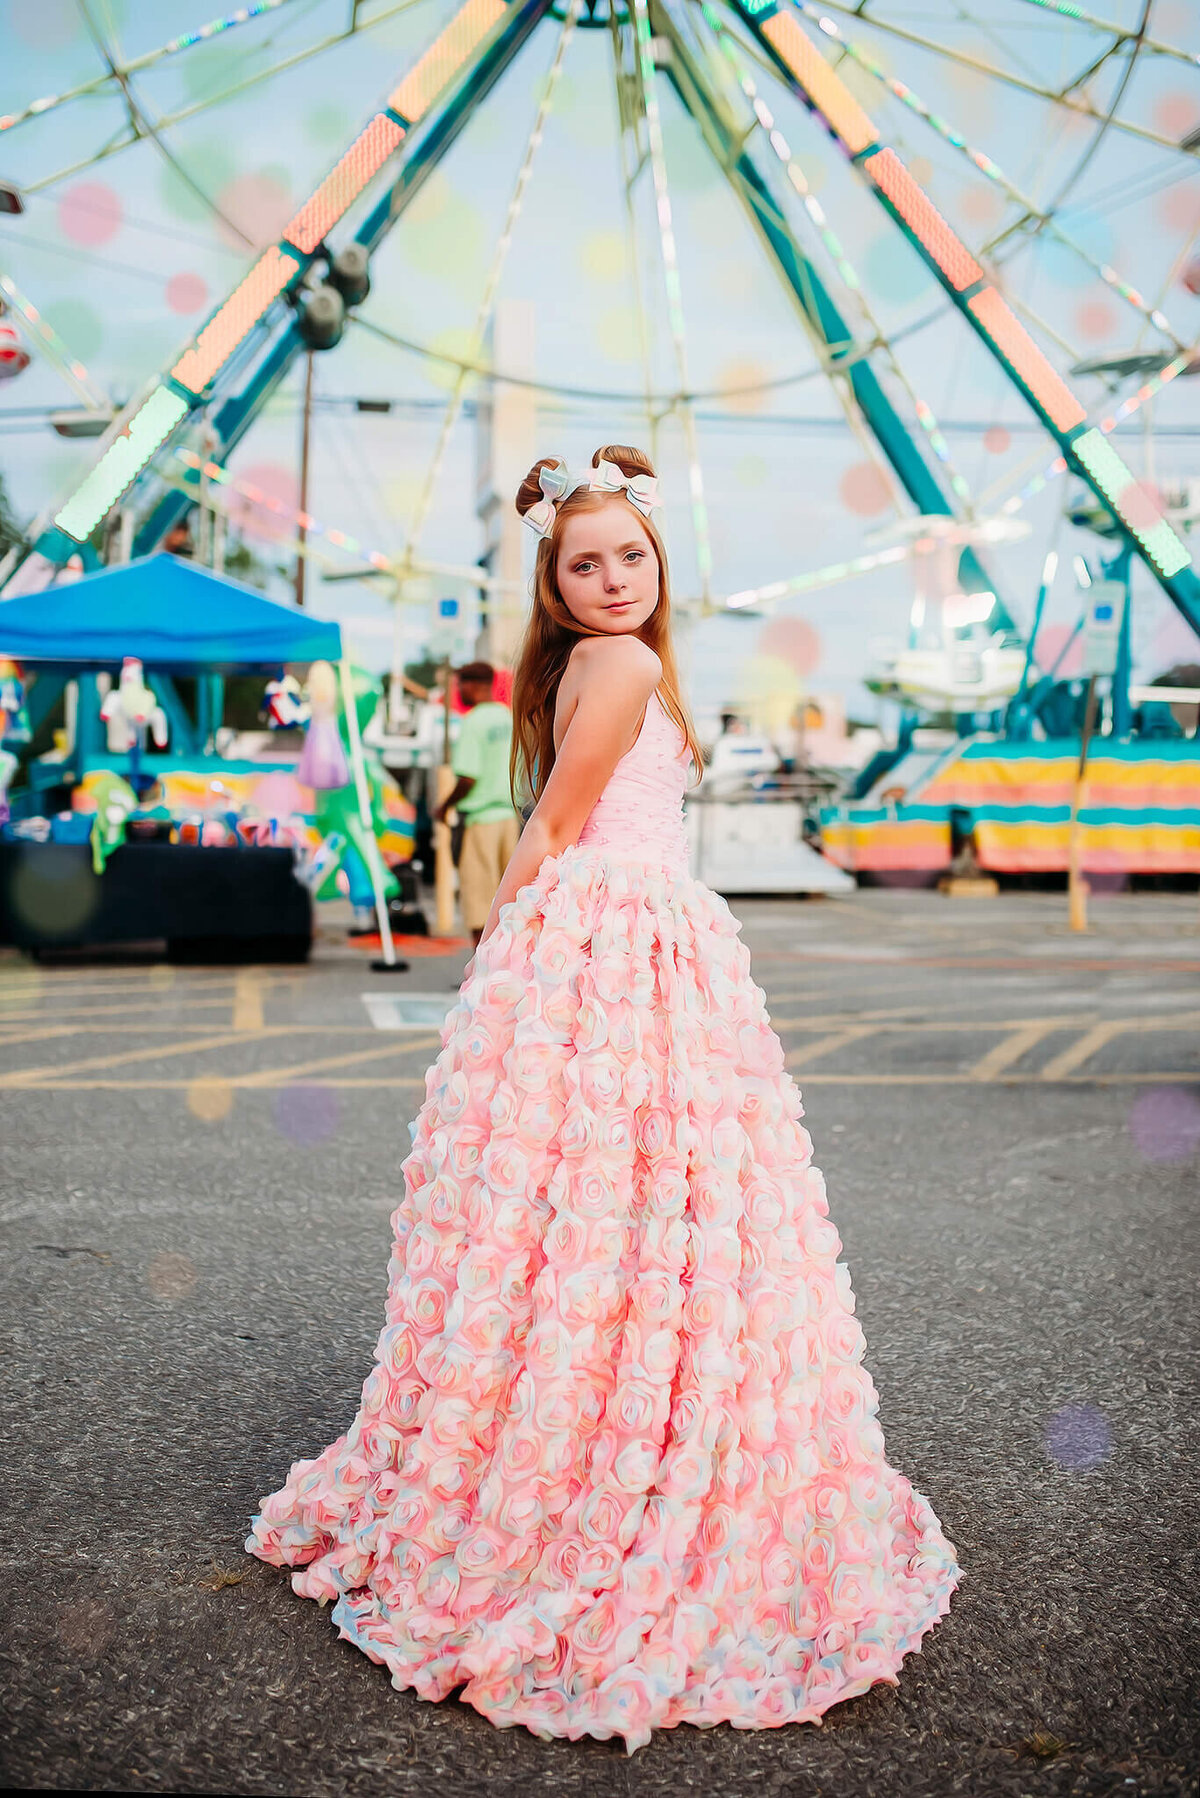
<point x="1077" y="887"/>
<point x="443" y="860"/>
<point x="301" y="533"/>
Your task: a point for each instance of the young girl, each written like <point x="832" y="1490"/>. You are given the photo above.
<point x="617" y="1466"/>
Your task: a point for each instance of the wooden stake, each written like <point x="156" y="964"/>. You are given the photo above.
<point x="443" y="860"/>
<point x="1077" y="886"/>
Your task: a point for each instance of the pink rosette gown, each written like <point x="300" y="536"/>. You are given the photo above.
<point x="617" y="1465"/>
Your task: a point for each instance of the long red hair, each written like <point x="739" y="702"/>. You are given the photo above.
<point x="552" y="632"/>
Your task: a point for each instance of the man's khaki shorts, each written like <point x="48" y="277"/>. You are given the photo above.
<point x="486" y="849"/>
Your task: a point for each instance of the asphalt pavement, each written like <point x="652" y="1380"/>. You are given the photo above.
<point x="198" y="1171"/>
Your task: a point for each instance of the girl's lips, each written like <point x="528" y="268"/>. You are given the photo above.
<point x="620" y="605"/>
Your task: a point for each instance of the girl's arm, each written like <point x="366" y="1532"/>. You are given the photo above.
<point x="617" y="677"/>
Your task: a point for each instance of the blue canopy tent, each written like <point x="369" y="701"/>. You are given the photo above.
<point x="170" y="614"/>
<point x="175" y="617"/>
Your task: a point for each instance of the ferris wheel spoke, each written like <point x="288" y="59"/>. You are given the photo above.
<point x="1078" y="107"/>
<point x="1031" y="213"/>
<point x="186" y="41"/>
<point x="1067" y="9"/>
<point x="836" y="253"/>
<point x="143" y="125"/>
<point x="491" y="285"/>
<point x="168" y="120"/>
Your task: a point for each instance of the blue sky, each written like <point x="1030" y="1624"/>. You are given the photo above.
<point x="125" y="257"/>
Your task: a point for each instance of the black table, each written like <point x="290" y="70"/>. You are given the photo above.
<point x="204" y="904"/>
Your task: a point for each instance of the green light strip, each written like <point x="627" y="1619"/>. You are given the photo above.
<point x="121" y="463"/>
<point x="1109" y="423"/>
<point x="1110" y="474"/>
<point x="819" y="577"/>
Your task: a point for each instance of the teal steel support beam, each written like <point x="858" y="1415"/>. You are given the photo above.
<point x="1086" y="450"/>
<point x="804" y="285"/>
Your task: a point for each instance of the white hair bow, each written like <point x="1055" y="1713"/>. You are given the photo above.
<point x="554" y="481"/>
<point x="641" y="490"/>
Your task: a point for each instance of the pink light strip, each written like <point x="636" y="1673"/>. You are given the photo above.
<point x="229" y="325"/>
<point x="365" y="157"/>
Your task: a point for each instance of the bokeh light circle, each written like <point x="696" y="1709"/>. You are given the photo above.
<point x="1176" y="114"/>
<point x="275" y="481"/>
<point x="444" y="236"/>
<point x="980" y="204"/>
<point x="997" y="440"/>
<point x="89" y="213"/>
<point x="743" y="386"/>
<point x="458" y="344"/>
<point x="171" y="1275"/>
<point x="55" y="890"/>
<point x="1078" y="1437"/>
<point x="259" y="203"/>
<point x="187" y="292"/>
<point x="794" y="640"/>
<point x="1179" y="207"/>
<point x="863" y="489"/>
<point x="330" y="124"/>
<point x="604" y="256"/>
<point x="1142" y="504"/>
<point x="1050" y="640"/>
<point x="85" y="1628"/>
<point x="1165" y="1123"/>
<point x="770" y="688"/>
<point x="216" y="158"/>
<point x="306" y="1115"/>
<point x="1096" y="319"/>
<point x="751" y="471"/>
<point x="210" y="1098"/>
<point x="617" y="334"/>
<point x="45" y="24"/>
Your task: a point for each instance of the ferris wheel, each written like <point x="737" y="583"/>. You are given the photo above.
<point x="903" y="97"/>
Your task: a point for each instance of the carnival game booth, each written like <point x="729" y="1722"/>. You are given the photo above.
<point x="1139" y="812"/>
<point x="233" y="892"/>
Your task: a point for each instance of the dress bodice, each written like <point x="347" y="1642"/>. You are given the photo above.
<point x="640" y="812"/>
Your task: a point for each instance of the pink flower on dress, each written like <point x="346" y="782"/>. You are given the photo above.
<point x="592" y="1194"/>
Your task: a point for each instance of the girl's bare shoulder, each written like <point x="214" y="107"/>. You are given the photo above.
<point x="597" y="664"/>
<point x="614" y="658"/>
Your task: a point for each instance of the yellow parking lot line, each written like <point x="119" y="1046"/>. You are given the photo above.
<point x="301" y="1070"/>
<point x="825" y="1045"/>
<point x="130" y="1009"/>
<point x="42" y="1035"/>
<point x="1010" y="1049"/>
<point x="248" y="1000"/>
<point x="398" y="1082"/>
<point x="1085" y="1046"/>
<point x="25" y="1077"/>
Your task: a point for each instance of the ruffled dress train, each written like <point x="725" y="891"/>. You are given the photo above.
<point x="617" y="1465"/>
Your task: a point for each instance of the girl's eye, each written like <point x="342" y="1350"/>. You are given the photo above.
<point x="635" y="553"/>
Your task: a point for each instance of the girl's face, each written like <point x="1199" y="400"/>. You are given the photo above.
<point x="607" y="570"/>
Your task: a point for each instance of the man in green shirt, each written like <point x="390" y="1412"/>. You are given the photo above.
<point x="481" y="795"/>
